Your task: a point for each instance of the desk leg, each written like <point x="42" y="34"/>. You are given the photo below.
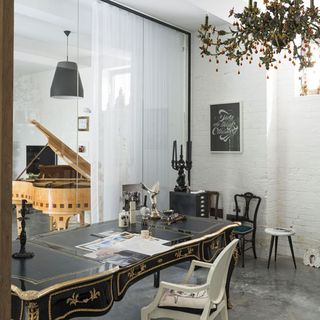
<point x="235" y="257"/>
<point x="230" y="271"/>
<point x="32" y="311"/>
<point x="156" y="279"/>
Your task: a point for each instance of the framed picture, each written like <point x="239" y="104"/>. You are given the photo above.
<point x="226" y="128"/>
<point x="83" y="123"/>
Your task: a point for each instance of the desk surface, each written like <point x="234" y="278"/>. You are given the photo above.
<point x="59" y="281"/>
<point x="57" y="259"/>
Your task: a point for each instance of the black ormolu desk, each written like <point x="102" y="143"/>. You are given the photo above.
<point x="59" y="283"/>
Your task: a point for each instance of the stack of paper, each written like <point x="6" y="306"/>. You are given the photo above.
<point x="122" y="248"/>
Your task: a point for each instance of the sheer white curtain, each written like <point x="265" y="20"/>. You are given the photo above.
<point x="165" y="113"/>
<point x="117" y="123"/>
<point x="138" y="107"/>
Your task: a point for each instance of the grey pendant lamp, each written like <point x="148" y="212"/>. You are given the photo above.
<point x="66" y="83"/>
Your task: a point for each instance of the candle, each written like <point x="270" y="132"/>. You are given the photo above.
<point x="173" y="150"/>
<point x="207" y="21"/>
<point x="181" y="152"/>
<point x="187" y="148"/>
<point x="255" y="4"/>
<point x="189" y="144"/>
<point x="250" y="3"/>
<point x="190" y="150"/>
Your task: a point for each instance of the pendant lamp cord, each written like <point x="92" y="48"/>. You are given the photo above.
<point x="67" y="33"/>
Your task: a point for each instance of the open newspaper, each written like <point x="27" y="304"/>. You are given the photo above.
<point x="122" y="248"/>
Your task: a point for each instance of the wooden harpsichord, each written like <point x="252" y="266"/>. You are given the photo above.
<point x="60" y="191"/>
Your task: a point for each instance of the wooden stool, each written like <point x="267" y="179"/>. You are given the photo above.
<point x="279" y="232"/>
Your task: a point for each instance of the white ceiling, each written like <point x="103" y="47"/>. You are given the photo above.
<point x="186" y="14"/>
<point x="39" y="24"/>
<point x="180" y="13"/>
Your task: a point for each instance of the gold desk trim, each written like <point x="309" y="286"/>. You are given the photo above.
<point x="34" y="295"/>
<point x="80" y="258"/>
<point x="158" y="257"/>
<point x="81" y="309"/>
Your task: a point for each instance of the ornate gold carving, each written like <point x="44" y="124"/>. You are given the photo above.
<point x="179" y="253"/>
<point x="74" y="300"/>
<point x="33" y="311"/>
<point x="133" y="273"/>
<point x="214" y="244"/>
<point x="82" y="308"/>
<point x="28" y="295"/>
<point x="236" y="251"/>
<point x="230" y="305"/>
<point x="143" y="267"/>
<point x="160" y="260"/>
<point x="33" y="295"/>
<point x="236" y="255"/>
<point x="190" y="251"/>
<point x="174" y="249"/>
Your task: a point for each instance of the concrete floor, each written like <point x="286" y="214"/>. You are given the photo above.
<point x="280" y="293"/>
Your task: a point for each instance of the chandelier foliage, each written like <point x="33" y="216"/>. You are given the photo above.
<point x="285" y="26"/>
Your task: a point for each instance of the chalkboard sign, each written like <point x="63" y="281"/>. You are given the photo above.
<point x="225" y="127"/>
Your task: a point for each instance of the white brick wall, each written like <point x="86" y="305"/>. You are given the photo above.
<point x="229" y="173"/>
<point x="281" y="147"/>
<point x="298" y="159"/>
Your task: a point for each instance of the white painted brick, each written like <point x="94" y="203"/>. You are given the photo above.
<point x="281" y="139"/>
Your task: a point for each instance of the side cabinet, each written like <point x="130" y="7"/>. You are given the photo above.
<point x="192" y="204"/>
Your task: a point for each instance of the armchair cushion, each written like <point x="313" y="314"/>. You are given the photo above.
<point x="185" y="302"/>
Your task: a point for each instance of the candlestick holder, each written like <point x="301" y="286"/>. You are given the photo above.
<point x="181" y="165"/>
<point x="22" y="254"/>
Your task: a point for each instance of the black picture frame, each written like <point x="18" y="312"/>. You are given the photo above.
<point x="226" y="128"/>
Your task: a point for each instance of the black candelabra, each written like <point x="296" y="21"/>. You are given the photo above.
<point x="181" y="165"/>
<point x="23" y="254"/>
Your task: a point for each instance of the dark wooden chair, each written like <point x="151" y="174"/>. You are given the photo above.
<point x="247" y="231"/>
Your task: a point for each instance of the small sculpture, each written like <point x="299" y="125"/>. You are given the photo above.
<point x="181" y="165"/>
<point x="153" y="191"/>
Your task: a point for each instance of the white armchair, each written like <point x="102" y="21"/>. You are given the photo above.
<point x="189" y="302"/>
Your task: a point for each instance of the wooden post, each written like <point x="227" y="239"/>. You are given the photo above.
<point x="6" y="90"/>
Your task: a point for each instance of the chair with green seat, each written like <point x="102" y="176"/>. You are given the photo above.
<point x="247" y="231"/>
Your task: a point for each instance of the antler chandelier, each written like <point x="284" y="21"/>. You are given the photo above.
<point x="285" y="26"/>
